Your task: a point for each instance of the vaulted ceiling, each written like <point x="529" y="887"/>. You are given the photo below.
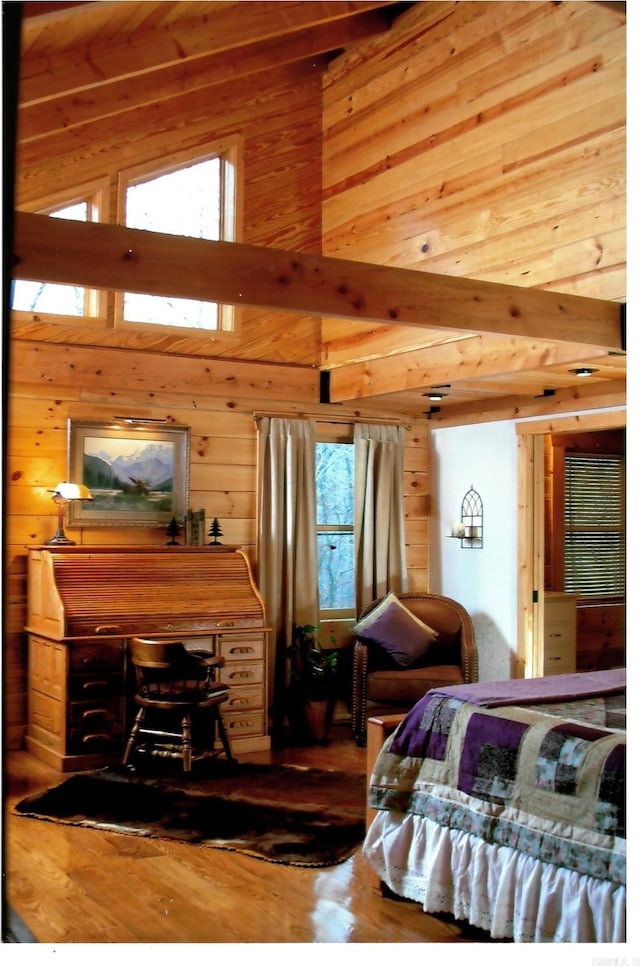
<point x="391" y="337"/>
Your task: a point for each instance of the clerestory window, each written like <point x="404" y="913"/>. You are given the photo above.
<point x="193" y="198"/>
<point x="194" y="194"/>
<point x="49" y="298"/>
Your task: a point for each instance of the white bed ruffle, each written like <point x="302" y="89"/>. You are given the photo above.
<point x="506" y="893"/>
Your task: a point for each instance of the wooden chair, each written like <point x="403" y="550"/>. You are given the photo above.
<point x="175" y="685"/>
<point x="380" y="687"/>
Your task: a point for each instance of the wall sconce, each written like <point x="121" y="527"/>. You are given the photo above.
<point x="63" y="494"/>
<point x="469" y="530"/>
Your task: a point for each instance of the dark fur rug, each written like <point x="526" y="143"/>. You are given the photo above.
<point x="280" y="813"/>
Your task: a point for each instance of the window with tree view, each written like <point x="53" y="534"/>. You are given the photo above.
<point x="334" y="500"/>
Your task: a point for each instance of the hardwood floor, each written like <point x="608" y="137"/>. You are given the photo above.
<point x="74" y="885"/>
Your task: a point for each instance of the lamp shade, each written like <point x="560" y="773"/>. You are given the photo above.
<point x="72" y="491"/>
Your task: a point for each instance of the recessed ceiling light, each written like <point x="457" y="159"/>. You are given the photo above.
<point x="583" y="371"/>
<point x="435" y="395"/>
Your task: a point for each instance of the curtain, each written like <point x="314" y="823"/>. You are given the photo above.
<point x="287" y="555"/>
<point x="378" y="512"/>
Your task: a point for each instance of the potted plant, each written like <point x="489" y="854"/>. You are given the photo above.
<point x="312" y="684"/>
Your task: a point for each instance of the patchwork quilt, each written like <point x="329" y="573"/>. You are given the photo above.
<point x="545" y="778"/>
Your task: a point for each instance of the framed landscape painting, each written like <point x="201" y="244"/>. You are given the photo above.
<point x="138" y="473"/>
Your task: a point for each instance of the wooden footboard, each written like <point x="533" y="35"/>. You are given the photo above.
<point x="378" y="730"/>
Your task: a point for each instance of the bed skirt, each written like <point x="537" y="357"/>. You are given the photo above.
<point x="508" y="894"/>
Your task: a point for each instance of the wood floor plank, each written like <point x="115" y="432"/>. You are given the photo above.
<point x="78" y="885"/>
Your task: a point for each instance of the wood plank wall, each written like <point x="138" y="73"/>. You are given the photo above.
<point x="473" y="144"/>
<point x="50" y="382"/>
<point x="441" y="146"/>
<point x="223" y="471"/>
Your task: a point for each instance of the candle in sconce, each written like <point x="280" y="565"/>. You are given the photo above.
<point x="458" y="530"/>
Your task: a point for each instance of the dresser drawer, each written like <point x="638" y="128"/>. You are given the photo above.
<point x="558" y="636"/>
<point x="559" y="661"/>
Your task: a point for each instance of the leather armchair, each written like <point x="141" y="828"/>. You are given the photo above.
<point x="381" y="687"/>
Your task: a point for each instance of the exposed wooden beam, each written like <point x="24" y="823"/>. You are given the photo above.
<point x="453" y="362"/>
<point x="604" y="396"/>
<point x="117" y="258"/>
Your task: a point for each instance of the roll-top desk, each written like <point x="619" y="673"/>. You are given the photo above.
<point x="84" y="603"/>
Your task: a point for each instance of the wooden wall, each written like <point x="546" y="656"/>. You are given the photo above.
<point x="473" y="146"/>
<point x="445" y="146"/>
<point x="50" y="384"/>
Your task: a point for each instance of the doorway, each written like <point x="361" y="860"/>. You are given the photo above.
<point x="531" y="535"/>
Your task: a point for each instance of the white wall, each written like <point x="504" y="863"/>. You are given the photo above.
<point x="483" y="580"/>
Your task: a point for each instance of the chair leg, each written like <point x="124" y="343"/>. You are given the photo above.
<point x="137" y="724"/>
<point x="224" y="738"/>
<point x="186" y="742"/>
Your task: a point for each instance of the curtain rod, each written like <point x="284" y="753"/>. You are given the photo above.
<point x="332" y="419"/>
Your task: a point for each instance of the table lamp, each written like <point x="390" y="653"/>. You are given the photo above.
<point x="63" y="494"/>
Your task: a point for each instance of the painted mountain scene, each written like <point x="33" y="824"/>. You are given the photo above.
<point x="129" y="474"/>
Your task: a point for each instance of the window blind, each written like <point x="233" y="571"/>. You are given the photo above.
<point x="594" y="525"/>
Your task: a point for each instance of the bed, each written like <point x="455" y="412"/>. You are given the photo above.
<point x="503" y="804"/>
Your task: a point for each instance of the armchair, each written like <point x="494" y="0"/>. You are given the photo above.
<point x="381" y="685"/>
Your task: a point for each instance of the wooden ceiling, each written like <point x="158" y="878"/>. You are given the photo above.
<point x="87" y="63"/>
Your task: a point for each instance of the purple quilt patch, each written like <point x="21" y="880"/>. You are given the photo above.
<point x="488" y="766"/>
<point x="424" y="733"/>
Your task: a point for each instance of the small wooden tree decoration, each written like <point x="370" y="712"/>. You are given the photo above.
<point x="215" y="532"/>
<point x="172" y="531"/>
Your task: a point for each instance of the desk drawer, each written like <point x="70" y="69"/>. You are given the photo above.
<point x="243" y="725"/>
<point x="244" y="699"/>
<point x="94" y="725"/>
<point x="88" y="658"/>
<point x="242" y="648"/>
<point x="242" y="673"/>
<point x="95" y="685"/>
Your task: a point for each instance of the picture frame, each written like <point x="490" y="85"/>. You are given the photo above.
<point x="137" y="472"/>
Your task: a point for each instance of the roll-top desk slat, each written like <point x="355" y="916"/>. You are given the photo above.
<point x="84" y="603"/>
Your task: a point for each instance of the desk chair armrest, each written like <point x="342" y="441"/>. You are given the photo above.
<point x="207" y="659"/>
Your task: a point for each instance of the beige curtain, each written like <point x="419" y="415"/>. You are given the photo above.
<point x="378" y="512"/>
<point x="287" y="555"/>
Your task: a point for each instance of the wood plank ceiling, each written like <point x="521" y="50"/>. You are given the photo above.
<point x="82" y="63"/>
